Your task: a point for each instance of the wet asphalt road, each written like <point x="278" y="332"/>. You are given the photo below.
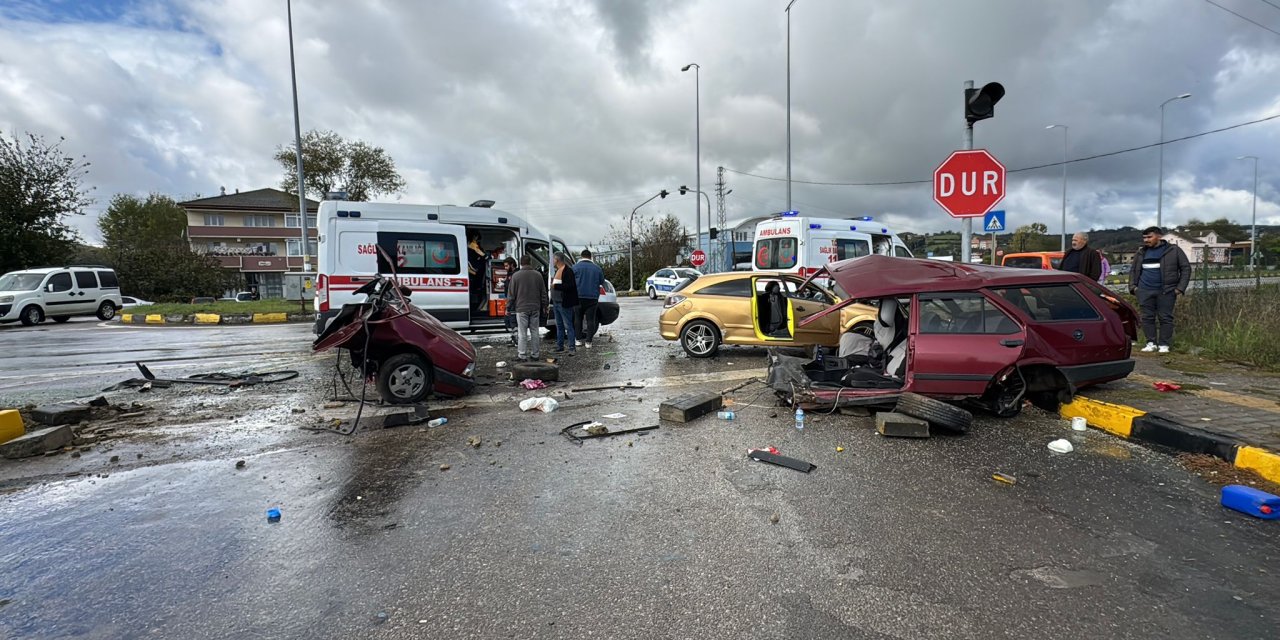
<point x="663" y="535"/>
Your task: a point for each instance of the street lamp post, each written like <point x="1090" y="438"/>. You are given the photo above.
<point x="1064" y="183"/>
<point x="697" y="127"/>
<point x="631" y="241"/>
<point x="788" y="12"/>
<point x="683" y="190"/>
<point x="1253" y="227"/>
<point x="297" y="141"/>
<point x="1160" y="189"/>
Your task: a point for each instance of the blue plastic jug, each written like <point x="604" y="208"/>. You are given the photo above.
<point x="1258" y="504"/>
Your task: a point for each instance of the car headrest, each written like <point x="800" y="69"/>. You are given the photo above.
<point x="888" y="311"/>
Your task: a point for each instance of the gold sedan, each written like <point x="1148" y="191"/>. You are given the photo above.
<point x="755" y="308"/>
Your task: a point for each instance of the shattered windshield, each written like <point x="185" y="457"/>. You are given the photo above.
<point x="20" y="281"/>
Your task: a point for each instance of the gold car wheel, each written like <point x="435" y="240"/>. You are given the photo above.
<point x="700" y="339"/>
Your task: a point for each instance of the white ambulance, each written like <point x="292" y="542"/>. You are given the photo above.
<point x="429" y="243"/>
<point x="792" y="243"/>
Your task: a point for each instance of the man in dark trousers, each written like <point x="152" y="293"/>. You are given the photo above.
<point x="526" y="298"/>
<point x="1159" y="275"/>
<point x="1082" y="258"/>
<point x="590" y="278"/>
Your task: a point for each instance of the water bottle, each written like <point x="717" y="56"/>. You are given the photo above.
<point x="437" y="422"/>
<point x="799" y="419"/>
<point x="725" y="415"/>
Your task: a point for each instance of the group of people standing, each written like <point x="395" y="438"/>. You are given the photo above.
<point x="573" y="295"/>
<point x="1160" y="273"/>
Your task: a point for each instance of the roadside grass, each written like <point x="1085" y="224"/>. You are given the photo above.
<point x="224" y="308"/>
<point x="1240" y="325"/>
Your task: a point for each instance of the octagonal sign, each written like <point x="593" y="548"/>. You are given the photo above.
<point x="969" y="183"/>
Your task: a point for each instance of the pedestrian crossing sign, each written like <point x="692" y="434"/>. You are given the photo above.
<point x="993" y="221"/>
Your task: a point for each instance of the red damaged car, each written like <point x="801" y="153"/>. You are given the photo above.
<point x="990" y="336"/>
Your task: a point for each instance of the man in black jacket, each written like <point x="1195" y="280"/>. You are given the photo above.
<point x="1082" y="258"/>
<point x="1159" y="275"/>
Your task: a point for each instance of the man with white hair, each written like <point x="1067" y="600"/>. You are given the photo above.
<point x="1082" y="258"/>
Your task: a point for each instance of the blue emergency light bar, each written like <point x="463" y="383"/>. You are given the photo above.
<point x="790" y="213"/>
<point x="814" y="225"/>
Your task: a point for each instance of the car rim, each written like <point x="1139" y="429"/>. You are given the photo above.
<point x="33" y="316"/>
<point x="407" y="381"/>
<point x="699" y="339"/>
<point x="108" y="311"/>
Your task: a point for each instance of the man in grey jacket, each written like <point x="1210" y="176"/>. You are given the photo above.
<point x="527" y="297"/>
<point x="1159" y="275"/>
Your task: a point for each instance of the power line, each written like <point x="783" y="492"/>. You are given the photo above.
<point x="1257" y="24"/>
<point x="1031" y="168"/>
<point x="1272" y="3"/>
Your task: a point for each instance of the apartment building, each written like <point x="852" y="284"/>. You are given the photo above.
<point x="255" y="234"/>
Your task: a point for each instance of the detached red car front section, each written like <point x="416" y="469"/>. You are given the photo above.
<point x="992" y="336"/>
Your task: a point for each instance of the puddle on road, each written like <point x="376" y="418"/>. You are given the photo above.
<point x="1059" y="578"/>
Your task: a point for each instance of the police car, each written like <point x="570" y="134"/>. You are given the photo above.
<point x="664" y="280"/>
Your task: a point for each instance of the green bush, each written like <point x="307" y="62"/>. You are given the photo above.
<point x="224" y="308"/>
<point x="1239" y="324"/>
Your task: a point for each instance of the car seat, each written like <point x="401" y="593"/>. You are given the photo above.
<point x="891" y="333"/>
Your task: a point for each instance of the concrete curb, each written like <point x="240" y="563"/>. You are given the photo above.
<point x="1151" y="428"/>
<point x="215" y="318"/>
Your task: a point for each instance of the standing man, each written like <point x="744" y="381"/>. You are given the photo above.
<point x="1159" y="275"/>
<point x="590" y="278"/>
<point x="478" y="270"/>
<point x="1082" y="258"/>
<point x="527" y="297"/>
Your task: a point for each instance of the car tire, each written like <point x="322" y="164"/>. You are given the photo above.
<point x="653" y="293"/>
<point x="60" y="319"/>
<point x="935" y="412"/>
<point x="543" y="371"/>
<point x="700" y="339"/>
<point x="404" y="378"/>
<point x="32" y="315"/>
<point x="106" y="310"/>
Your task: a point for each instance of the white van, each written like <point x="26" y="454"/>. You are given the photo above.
<point x="792" y="243"/>
<point x="429" y="243"/>
<point x="58" y="293"/>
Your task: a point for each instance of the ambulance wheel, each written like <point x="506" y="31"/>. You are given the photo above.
<point x="700" y="339"/>
<point x="653" y="293"/>
<point x="404" y="378"/>
<point x="106" y="310"/>
<point x="32" y="315"/>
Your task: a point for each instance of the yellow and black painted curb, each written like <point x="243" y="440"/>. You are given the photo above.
<point x="1152" y="428"/>
<point x="215" y="318"/>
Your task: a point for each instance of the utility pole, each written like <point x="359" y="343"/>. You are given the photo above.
<point x="297" y="141"/>
<point x="720" y="218"/>
<point x="967" y="231"/>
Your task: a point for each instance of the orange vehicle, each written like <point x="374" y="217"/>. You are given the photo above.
<point x="1033" y="260"/>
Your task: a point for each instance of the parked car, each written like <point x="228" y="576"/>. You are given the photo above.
<point x="408" y="351"/>
<point x="1120" y="270"/>
<point x="203" y="300"/>
<point x="243" y="296"/>
<point x="737" y="308"/>
<point x="666" y="280"/>
<point x="129" y="302"/>
<point x="59" y="293"/>
<point x="988" y="335"/>
<point x="607" y="309"/>
<point x="1033" y="260"/>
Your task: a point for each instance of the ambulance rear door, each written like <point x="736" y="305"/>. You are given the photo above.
<point x="429" y="259"/>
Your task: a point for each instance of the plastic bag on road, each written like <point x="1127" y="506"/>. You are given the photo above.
<point x="1061" y="446"/>
<point x="543" y="404"/>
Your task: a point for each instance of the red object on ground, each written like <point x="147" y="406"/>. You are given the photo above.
<point x="1167" y="386"/>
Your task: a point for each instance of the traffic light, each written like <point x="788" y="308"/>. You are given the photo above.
<point x="664" y="193"/>
<point x="714" y="233"/>
<point x="980" y="104"/>
<point x="684" y="190"/>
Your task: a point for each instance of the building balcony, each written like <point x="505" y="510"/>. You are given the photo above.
<point x="280" y="233"/>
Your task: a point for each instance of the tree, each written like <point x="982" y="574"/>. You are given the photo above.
<point x="1227" y="231"/>
<point x="146" y="242"/>
<point x="39" y="187"/>
<point x="659" y="243"/>
<point x="330" y="162"/>
<point x="1031" y="237"/>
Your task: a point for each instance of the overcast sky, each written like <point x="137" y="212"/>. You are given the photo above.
<point x="575" y="111"/>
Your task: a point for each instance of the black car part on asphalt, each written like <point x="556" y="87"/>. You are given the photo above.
<point x="217" y="378"/>
<point x="577" y="439"/>
<point x="782" y="461"/>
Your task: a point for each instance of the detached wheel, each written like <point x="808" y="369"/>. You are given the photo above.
<point x="936" y="412"/>
<point x="32" y="316"/>
<point x="700" y="339"/>
<point x="106" y="310"/>
<point x="404" y="378"/>
<point x="60" y="319"/>
<point x="653" y="293"/>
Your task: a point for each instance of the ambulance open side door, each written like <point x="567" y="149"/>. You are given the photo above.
<point x="430" y="260"/>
